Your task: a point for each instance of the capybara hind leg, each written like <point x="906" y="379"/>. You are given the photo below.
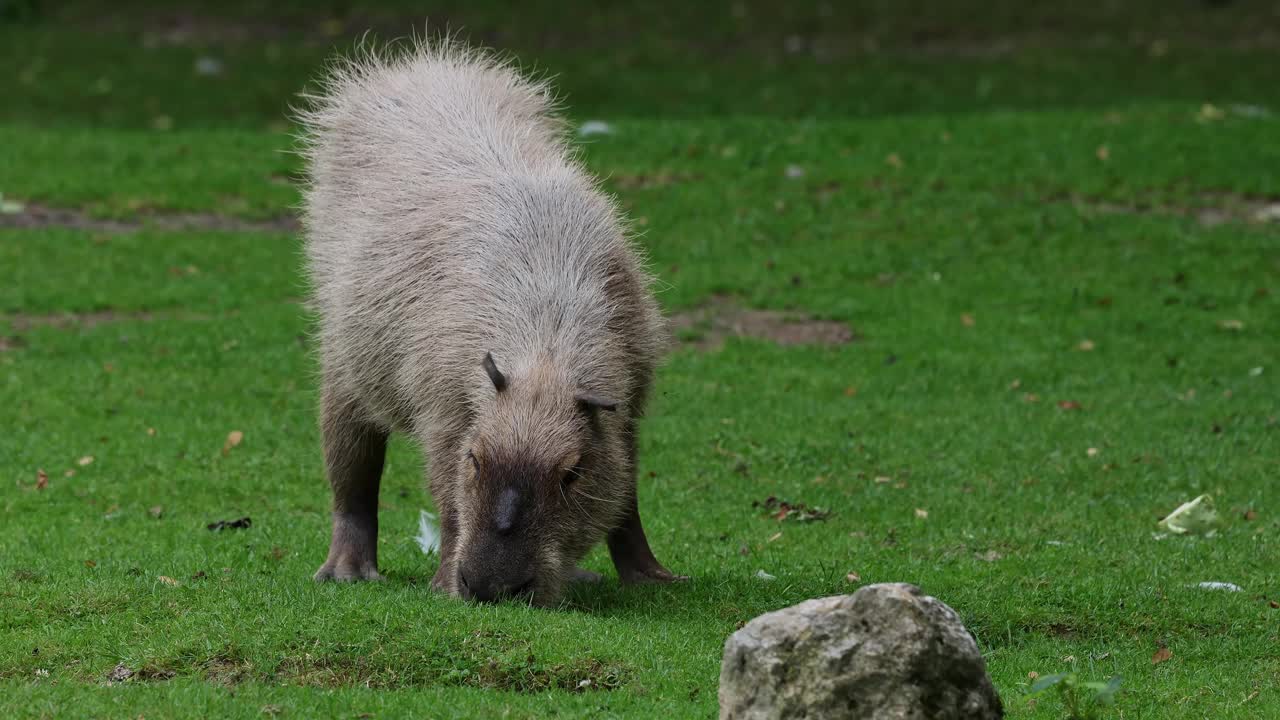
<point x="354" y="451"/>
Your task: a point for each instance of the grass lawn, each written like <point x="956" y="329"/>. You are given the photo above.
<point x="1065" y="312"/>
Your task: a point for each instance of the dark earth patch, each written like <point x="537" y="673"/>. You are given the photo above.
<point x="709" y="326"/>
<point x="36" y="215"/>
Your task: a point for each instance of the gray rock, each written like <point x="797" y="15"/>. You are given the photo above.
<point x="887" y="651"/>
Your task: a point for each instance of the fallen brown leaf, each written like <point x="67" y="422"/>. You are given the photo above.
<point x="233" y="439"/>
<point x="1033" y="675"/>
<point x="989" y="556"/>
<point x="852" y="577"/>
<point x="1017" y="383"/>
<point x="850" y="391"/>
<point x="1161" y="655"/>
<point x="167" y="580"/>
<point x="69" y="473"/>
<point x="42" y="479"/>
<point x="1092" y="452"/>
<point x="87" y="459"/>
<point x="156" y="511"/>
<point x="90" y="564"/>
<point x="1103" y="152"/>
<point x="1274" y="605"/>
<point x="894" y="160"/>
<point x="967" y="320"/>
<point x="151" y="431"/>
<point x="1031" y="398"/>
<point x="1086" y="345"/>
<point x="1069" y="405"/>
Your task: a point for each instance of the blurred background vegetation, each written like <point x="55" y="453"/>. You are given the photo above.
<point x="240" y="62"/>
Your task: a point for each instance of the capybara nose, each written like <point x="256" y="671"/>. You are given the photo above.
<point x="492" y="587"/>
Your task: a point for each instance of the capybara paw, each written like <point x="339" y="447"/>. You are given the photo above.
<point x="654" y="574"/>
<point x="445" y="580"/>
<point x="347" y="571"/>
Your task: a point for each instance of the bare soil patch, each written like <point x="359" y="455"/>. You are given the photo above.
<point x="36" y="215"/>
<point x="12" y="342"/>
<point x="1208" y="209"/>
<point x="707" y="327"/>
<point x="26" y="321"/>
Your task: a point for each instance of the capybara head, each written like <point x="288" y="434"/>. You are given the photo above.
<point x="533" y="497"/>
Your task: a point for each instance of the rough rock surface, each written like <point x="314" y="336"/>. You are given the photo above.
<point x="887" y="651"/>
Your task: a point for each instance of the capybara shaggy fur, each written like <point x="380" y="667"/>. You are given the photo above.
<point x="476" y="291"/>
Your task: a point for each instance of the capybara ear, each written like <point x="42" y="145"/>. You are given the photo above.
<point x="499" y="380"/>
<point x="590" y="402"/>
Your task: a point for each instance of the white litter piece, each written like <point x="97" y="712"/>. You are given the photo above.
<point x="794" y="172"/>
<point x="1229" y="587"/>
<point x="208" y="66"/>
<point x="1055" y="543"/>
<point x="595" y="127"/>
<point x="1194" y="517"/>
<point x="762" y="575"/>
<point x="428" y="533"/>
<point x="1268" y="213"/>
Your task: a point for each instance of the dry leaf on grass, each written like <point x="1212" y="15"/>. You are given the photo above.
<point x="42" y="479"/>
<point x="1086" y="346"/>
<point x="87" y="459"/>
<point x="233" y="439"/>
<point x="156" y="511"/>
<point x="781" y="510"/>
<point x="1103" y="152"/>
<point x="852" y="577"/>
<point x="922" y="513"/>
<point x="167" y="580"/>
<point x="1069" y="405"/>
<point x="1161" y="655"/>
<point x="967" y="320"/>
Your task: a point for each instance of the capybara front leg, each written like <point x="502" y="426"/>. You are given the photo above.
<point x="354" y="451"/>
<point x="631" y="555"/>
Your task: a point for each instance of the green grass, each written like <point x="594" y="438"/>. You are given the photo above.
<point x="909" y="217"/>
